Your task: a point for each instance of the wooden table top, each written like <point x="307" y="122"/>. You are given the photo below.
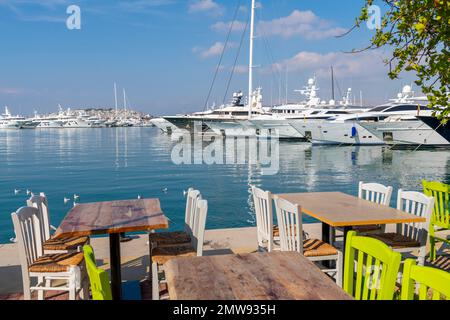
<point x="338" y="209"/>
<point x="113" y="217"/>
<point x="255" y="276"/>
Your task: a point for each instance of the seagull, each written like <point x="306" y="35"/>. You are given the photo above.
<point x="76" y="197"/>
<point x="13" y="240"/>
<point x="139" y="196"/>
<point x="75" y="204"/>
<point x="164" y="190"/>
<point x="185" y="193"/>
<point x="16" y="191"/>
<point x="66" y="200"/>
<point x="28" y="192"/>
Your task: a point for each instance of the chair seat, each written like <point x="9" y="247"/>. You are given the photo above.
<point x="318" y="248"/>
<point x="369" y="228"/>
<point x="170" y="238"/>
<point x="65" y="243"/>
<point x="396" y="240"/>
<point x="161" y="255"/>
<point x="56" y="262"/>
<point x="276" y="231"/>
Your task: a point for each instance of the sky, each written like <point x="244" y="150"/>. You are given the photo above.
<point x="165" y="53"/>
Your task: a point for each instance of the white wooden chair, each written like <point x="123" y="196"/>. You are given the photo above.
<point x="51" y="244"/>
<point x="410" y="236"/>
<point x="46" y="268"/>
<point x="374" y="192"/>
<point x="292" y="239"/>
<point x="264" y="219"/>
<point x="161" y="255"/>
<point x="163" y="239"/>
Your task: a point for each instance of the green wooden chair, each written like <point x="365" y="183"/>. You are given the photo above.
<point x="430" y="282"/>
<point x="376" y="271"/>
<point x="98" y="278"/>
<point x="440" y="219"/>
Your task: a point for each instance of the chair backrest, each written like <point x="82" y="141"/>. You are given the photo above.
<point x="41" y="203"/>
<point x="198" y="226"/>
<point x="426" y="280"/>
<point x="98" y="278"/>
<point x="191" y="203"/>
<point x="264" y="217"/>
<point x="420" y="205"/>
<point x="27" y="228"/>
<point x="289" y="218"/>
<point x="441" y="194"/>
<point x="376" y="271"/>
<point x="375" y="192"/>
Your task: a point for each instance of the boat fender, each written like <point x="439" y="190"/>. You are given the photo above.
<point x="354" y="131"/>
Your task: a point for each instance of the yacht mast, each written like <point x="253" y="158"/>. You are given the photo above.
<point x="250" y="66"/>
<point x="115" y="95"/>
<point x="124" y="100"/>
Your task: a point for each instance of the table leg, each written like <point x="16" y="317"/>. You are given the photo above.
<point x="346" y="230"/>
<point x="114" y="256"/>
<point x="326" y="237"/>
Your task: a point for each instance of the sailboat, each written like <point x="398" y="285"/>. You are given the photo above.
<point x="225" y="120"/>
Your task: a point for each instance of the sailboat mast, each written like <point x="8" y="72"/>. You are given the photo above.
<point x="115" y="95"/>
<point x="332" y="83"/>
<point x="250" y="65"/>
<point x="124" y="100"/>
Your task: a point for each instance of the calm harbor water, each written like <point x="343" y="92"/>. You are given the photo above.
<point x="122" y="163"/>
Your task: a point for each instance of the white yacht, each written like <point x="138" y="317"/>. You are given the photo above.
<point x="226" y="119"/>
<point x="348" y="129"/>
<point x="278" y="122"/>
<point x="8" y="121"/>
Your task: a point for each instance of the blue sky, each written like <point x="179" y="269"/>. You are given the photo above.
<point x="164" y="52"/>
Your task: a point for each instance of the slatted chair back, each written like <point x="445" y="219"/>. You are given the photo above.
<point x="191" y="203"/>
<point x="198" y="226"/>
<point x="290" y="224"/>
<point x="41" y="203"/>
<point x="376" y="271"/>
<point x="428" y="282"/>
<point x="98" y="278"/>
<point x="27" y="228"/>
<point x="375" y="192"/>
<point x="420" y="205"/>
<point x="441" y="194"/>
<point x="264" y="217"/>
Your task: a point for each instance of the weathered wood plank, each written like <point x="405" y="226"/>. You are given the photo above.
<point x="113" y="217"/>
<point x="256" y="276"/>
<point x="341" y="210"/>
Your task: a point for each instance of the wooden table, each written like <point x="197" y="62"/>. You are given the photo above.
<point x="113" y="218"/>
<point x="255" y="276"/>
<point x="337" y="209"/>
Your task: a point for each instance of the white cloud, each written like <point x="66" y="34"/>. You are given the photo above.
<point x="215" y="50"/>
<point x="346" y="65"/>
<point x="305" y="24"/>
<point x="225" y="26"/>
<point x="11" y="91"/>
<point x="209" y="6"/>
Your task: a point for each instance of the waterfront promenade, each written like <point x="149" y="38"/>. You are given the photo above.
<point x="135" y="258"/>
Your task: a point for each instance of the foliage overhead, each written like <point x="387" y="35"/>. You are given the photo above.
<point x="418" y="31"/>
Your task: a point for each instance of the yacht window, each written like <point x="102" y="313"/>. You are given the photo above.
<point x="379" y="108"/>
<point x="337" y="112"/>
<point x="406" y="107"/>
<point x="315" y="112"/>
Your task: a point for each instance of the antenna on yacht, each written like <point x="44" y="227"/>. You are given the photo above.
<point x="360" y="98"/>
<point x="115" y="95"/>
<point x="287" y="80"/>
<point x="250" y="65"/>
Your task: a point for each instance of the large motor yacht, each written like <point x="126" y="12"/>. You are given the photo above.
<point x="352" y="129"/>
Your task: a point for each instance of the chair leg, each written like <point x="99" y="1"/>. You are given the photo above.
<point x="432" y="249"/>
<point x="339" y="268"/>
<point x="155" y="282"/>
<point x="40" y="292"/>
